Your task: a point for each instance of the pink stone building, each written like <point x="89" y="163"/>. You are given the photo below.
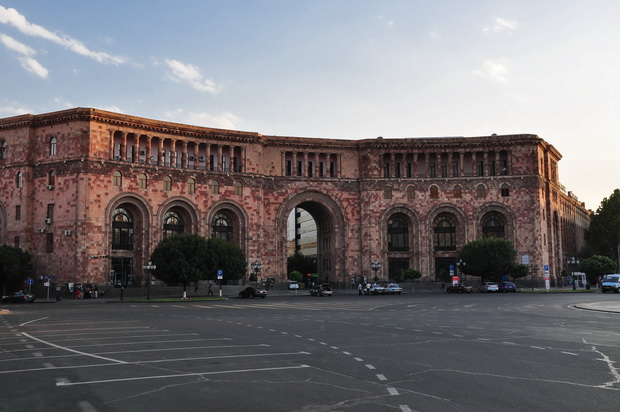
<point x="90" y="193"/>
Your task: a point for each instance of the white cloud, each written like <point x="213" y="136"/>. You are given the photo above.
<point x="15" y="45"/>
<point x="14" y="110"/>
<point x="221" y="121"/>
<point x="28" y="62"/>
<point x="501" y="25"/>
<point x="34" y="66"/>
<point x="14" y="18"/>
<point x="493" y="71"/>
<point x="190" y="74"/>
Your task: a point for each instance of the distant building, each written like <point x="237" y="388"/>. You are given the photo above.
<point x="90" y="193"/>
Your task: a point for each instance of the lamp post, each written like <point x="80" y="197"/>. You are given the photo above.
<point x="256" y="268"/>
<point x="149" y="267"/>
<point x="375" y="265"/>
<point x="461" y="264"/>
<point x="573" y="261"/>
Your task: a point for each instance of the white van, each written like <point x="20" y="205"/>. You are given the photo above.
<point x="611" y="283"/>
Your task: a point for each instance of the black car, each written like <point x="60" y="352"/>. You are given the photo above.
<point x="460" y="288"/>
<point x="506" y="287"/>
<point x="252" y="293"/>
<point x="18" y="297"/>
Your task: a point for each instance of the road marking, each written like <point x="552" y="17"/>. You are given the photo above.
<point x="370" y="367"/>
<point x="381" y="377"/>
<point x="179" y="376"/>
<point x="405" y="408"/>
<point x="34" y="320"/>
<point x="85" y="406"/>
<point x="73" y="350"/>
<point x="569" y="353"/>
<point x="392" y="391"/>
<point x="359" y="359"/>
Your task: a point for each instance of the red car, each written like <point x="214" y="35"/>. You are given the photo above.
<point x="19" y="297"/>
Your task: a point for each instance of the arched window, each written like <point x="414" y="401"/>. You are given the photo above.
<point x="215" y="187"/>
<point x="493" y="225"/>
<point x="387" y="193"/>
<point x="167" y="183"/>
<point x="117" y="178"/>
<point x="191" y="186"/>
<point x="3" y="149"/>
<point x="398" y="234"/>
<point x="142" y="181"/>
<point x="238" y="189"/>
<point x="53" y="142"/>
<point x="51" y="179"/>
<point x="505" y="190"/>
<point x="410" y="193"/>
<point x="445" y="233"/>
<point x="122" y="229"/>
<point x="457" y="191"/>
<point x="481" y="191"/>
<point x="19" y="180"/>
<point x="434" y="192"/>
<point x="222" y="227"/>
<point x="173" y="224"/>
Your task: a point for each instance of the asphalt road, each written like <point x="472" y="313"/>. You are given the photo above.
<point x="413" y="352"/>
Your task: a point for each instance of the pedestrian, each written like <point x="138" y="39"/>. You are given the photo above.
<point x="368" y="288"/>
<point x="359" y="289"/>
<point x="443" y="286"/>
<point x="196" y="288"/>
<point x="210" y="292"/>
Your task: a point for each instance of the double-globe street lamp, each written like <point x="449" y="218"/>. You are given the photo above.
<point x="149" y="268"/>
<point x="256" y="268"/>
<point x="573" y="261"/>
<point x="375" y="265"/>
<point x="460" y="264"/>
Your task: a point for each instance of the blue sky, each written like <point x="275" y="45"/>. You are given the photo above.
<point x="346" y="69"/>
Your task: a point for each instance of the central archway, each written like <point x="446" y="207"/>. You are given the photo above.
<point x="328" y="216"/>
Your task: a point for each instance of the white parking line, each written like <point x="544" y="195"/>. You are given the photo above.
<point x="179" y="376"/>
<point x="73" y="350"/>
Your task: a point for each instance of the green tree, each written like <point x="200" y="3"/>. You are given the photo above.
<point x="597" y="266"/>
<point x="182" y="259"/>
<point x="604" y="232"/>
<point x="520" y="271"/>
<point x="490" y="258"/>
<point x="296" y="276"/>
<point x="412" y="274"/>
<point x="15" y="266"/>
<point x="228" y="257"/>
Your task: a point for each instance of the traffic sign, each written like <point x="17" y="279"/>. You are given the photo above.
<point x="220" y="274"/>
<point x="30" y="281"/>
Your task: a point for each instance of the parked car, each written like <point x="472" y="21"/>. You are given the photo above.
<point x="18" y="297"/>
<point x="377" y="289"/>
<point x="460" y="288"/>
<point x="507" y="287"/>
<point x="611" y="283"/>
<point x="323" y="289"/>
<point x="486" y="287"/>
<point x="393" y="288"/>
<point x="292" y="285"/>
<point x="252" y="293"/>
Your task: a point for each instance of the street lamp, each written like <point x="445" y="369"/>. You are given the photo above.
<point x="375" y="265"/>
<point x="256" y="268"/>
<point x="461" y="264"/>
<point x="573" y="261"/>
<point x="149" y="267"/>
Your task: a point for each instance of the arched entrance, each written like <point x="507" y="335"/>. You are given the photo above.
<point x="328" y="217"/>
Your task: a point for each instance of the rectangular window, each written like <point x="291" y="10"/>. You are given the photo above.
<point x="224" y="167"/>
<point x="288" y="168"/>
<point x="480" y="168"/>
<point x="503" y="167"/>
<point x="332" y="169"/>
<point x="18" y="212"/>
<point x="432" y="169"/>
<point x="444" y="169"/>
<point x="397" y="169"/>
<point x="50" y="211"/>
<point x="386" y="170"/>
<point x="455" y="169"/>
<point x="49" y="242"/>
<point x="300" y="168"/>
<point x="492" y="169"/>
<point x="17" y="242"/>
<point x="321" y="169"/>
<point x="505" y="191"/>
<point x="409" y="169"/>
<point x="211" y="163"/>
<point x="310" y="169"/>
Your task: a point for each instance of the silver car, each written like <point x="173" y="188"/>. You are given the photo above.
<point x="488" y="287"/>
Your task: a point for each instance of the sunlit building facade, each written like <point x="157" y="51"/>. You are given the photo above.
<point x="90" y="193"/>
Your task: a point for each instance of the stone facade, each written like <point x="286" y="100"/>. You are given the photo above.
<point x="89" y="194"/>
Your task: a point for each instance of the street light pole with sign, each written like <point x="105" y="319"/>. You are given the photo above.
<point x="149" y="267"/>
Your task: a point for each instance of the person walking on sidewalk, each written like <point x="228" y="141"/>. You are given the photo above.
<point x="359" y="289"/>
